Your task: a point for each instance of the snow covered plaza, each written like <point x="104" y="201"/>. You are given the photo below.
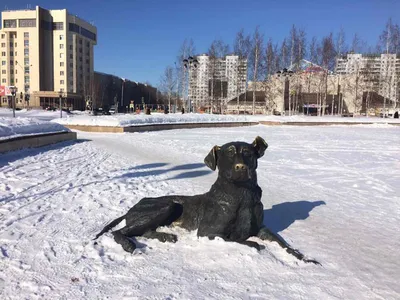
<point x="330" y="191"/>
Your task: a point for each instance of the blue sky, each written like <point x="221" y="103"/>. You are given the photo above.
<point x="137" y="39"/>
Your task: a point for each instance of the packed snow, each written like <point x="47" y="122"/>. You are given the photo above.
<point x="124" y="120"/>
<point x="330" y="191"/>
<point x="16" y="127"/>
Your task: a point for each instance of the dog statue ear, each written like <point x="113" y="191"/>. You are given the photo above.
<point x="211" y="158"/>
<point x="260" y="145"/>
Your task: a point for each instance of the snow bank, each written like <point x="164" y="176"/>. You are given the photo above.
<point x="301" y="118"/>
<point x="125" y="120"/>
<point x="14" y="127"/>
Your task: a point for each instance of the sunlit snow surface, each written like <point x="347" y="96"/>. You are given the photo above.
<point x="330" y="191"/>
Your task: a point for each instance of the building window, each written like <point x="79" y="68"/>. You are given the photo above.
<point x="61" y="55"/>
<point x="3" y="71"/>
<point x="61" y="81"/>
<point x="26" y="52"/>
<point x="16" y="80"/>
<point x="87" y="61"/>
<point x="58" y="26"/>
<point x="71" y="56"/>
<point x="26" y="34"/>
<point x="3" y="45"/>
<point x="10" y="24"/>
<point x="61" y="73"/>
<point x="61" y="37"/>
<point x="26" y="70"/>
<point x="26" y="79"/>
<point x="62" y="64"/>
<point x="3" y="63"/>
<point x="16" y="71"/>
<point x="61" y="46"/>
<point x="3" y="80"/>
<point x="15" y="53"/>
<point x="80" y="42"/>
<point x="26" y="43"/>
<point x="70" y="47"/>
<point x="73" y="27"/>
<point x="27" y="22"/>
<point x="11" y="53"/>
<point x="71" y="65"/>
<point x="26" y="61"/>
<point x="3" y="53"/>
<point x="80" y="50"/>
<point x="15" y="44"/>
<point x="11" y="44"/>
<point x="3" y="36"/>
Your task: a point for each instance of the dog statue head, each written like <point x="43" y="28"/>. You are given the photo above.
<point x="236" y="161"/>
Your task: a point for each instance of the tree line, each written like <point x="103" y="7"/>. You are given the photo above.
<point x="265" y="56"/>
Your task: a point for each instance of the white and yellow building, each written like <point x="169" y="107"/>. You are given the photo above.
<point x="45" y="53"/>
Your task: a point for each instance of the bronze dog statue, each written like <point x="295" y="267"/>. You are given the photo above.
<point x="231" y="210"/>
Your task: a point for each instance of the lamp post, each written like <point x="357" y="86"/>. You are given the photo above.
<point x="122" y="92"/>
<point x="61" y="96"/>
<point x="285" y="74"/>
<point x="13" y="90"/>
<point x="188" y="64"/>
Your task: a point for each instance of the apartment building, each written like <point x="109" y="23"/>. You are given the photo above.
<point x="379" y="72"/>
<point x="217" y="80"/>
<point x="45" y="54"/>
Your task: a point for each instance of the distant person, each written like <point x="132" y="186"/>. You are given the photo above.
<point x="183" y="110"/>
<point x="396" y="115"/>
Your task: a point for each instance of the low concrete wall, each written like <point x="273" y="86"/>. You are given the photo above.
<point x="271" y="123"/>
<point x="35" y="141"/>
<point x="95" y="128"/>
<point x="157" y="127"/>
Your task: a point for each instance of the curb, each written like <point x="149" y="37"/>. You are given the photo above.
<point x="35" y="141"/>
<point x="273" y="123"/>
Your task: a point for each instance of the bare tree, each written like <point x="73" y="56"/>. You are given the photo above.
<point x="293" y="44"/>
<point x="168" y="83"/>
<point x="284" y="63"/>
<point x="217" y="51"/>
<point x="187" y="49"/>
<point x="340" y="48"/>
<point x="390" y="38"/>
<point x="313" y="53"/>
<point x="328" y="58"/>
<point x="241" y="48"/>
<point x="256" y="58"/>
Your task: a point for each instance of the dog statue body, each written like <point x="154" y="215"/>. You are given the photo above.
<point x="231" y="209"/>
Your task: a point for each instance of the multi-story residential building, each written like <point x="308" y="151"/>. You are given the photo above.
<point x="217" y="79"/>
<point x="45" y="53"/>
<point x="380" y="72"/>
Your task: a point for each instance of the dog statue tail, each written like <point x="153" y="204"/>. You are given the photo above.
<point x="109" y="226"/>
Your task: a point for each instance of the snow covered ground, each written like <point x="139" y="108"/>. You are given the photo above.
<point x="39" y="114"/>
<point x="330" y="191"/>
<point x="15" y="127"/>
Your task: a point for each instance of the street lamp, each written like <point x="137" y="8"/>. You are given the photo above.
<point x="285" y="74"/>
<point x="13" y="91"/>
<point x="61" y="96"/>
<point x="190" y="63"/>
